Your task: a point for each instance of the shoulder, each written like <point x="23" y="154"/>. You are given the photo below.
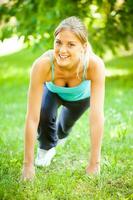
<point x="41" y="66"/>
<point x="47" y="53"/>
<point x="96" y="68"/>
<point x="43" y="59"/>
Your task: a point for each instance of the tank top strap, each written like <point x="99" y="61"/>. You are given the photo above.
<point x="52" y="66"/>
<point x="85" y="70"/>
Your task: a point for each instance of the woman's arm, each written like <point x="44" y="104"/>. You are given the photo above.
<point x="37" y="80"/>
<point x="96" y="115"/>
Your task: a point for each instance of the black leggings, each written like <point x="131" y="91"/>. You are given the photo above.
<point x="50" y="129"/>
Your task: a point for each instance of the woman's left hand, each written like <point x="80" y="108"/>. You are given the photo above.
<point x="93" y="169"/>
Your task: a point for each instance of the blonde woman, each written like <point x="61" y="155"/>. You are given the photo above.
<point x="70" y="75"/>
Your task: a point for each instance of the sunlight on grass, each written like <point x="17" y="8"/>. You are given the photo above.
<point x="12" y="72"/>
<point x="117" y="72"/>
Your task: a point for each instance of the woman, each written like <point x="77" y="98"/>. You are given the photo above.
<point x="70" y="75"/>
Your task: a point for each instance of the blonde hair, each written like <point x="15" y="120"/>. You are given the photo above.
<point x="75" y="25"/>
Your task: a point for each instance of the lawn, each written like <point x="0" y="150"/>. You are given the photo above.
<point x="65" y="178"/>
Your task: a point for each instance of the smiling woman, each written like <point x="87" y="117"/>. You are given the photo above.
<point x="70" y="75"/>
<point x="65" y="48"/>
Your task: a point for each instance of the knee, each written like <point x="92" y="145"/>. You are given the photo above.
<point x="66" y="127"/>
<point x="46" y="116"/>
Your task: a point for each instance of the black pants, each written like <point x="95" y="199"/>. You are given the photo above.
<point x="50" y="129"/>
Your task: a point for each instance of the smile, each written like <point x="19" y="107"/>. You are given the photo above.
<point x="63" y="57"/>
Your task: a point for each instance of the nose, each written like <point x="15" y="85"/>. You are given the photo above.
<point x="63" y="49"/>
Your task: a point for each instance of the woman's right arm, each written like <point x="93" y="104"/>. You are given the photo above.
<point x="37" y="80"/>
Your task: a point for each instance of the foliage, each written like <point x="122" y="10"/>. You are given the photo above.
<point x="110" y="23"/>
<point x="65" y="178"/>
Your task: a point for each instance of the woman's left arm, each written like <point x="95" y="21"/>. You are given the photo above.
<point x="96" y="115"/>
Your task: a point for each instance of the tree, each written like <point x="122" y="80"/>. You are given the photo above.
<point x="110" y="23"/>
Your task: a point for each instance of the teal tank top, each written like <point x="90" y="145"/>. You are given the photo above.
<point x="76" y="93"/>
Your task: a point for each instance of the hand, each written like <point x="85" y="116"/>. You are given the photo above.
<point x="28" y="172"/>
<point x="93" y="169"/>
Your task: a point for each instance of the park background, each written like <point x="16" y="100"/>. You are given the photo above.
<point x="27" y="26"/>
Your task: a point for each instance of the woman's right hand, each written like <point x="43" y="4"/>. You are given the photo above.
<point x="28" y="172"/>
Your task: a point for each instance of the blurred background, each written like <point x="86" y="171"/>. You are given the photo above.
<point x="32" y="23"/>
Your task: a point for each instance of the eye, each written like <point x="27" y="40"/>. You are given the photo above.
<point x="58" y="42"/>
<point x="71" y="44"/>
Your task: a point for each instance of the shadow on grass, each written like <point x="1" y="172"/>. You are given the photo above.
<point x="124" y="81"/>
<point x="124" y="62"/>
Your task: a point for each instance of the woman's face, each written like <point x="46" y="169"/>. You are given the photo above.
<point x="67" y="49"/>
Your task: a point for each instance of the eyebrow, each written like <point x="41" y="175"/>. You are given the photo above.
<point x="68" y="41"/>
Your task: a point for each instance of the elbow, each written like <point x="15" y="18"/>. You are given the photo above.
<point x="32" y="118"/>
<point x="97" y="118"/>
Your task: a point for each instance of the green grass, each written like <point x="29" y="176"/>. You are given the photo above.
<point x="65" y="179"/>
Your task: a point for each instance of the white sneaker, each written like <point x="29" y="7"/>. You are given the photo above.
<point x="62" y="141"/>
<point x="44" y="157"/>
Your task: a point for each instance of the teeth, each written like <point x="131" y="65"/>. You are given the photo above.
<point x="63" y="56"/>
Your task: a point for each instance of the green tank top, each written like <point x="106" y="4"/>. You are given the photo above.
<point x="76" y="93"/>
